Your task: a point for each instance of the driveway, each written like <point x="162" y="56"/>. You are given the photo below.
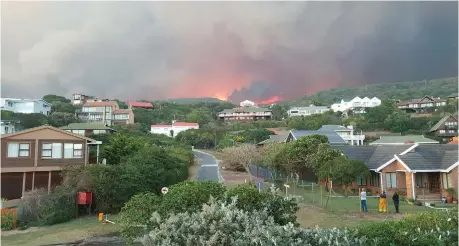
<point x="208" y="169"/>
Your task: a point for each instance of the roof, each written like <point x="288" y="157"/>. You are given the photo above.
<point x="426" y="157"/>
<point x="453" y="95"/>
<point x="419" y="100"/>
<point x="245" y="109"/>
<point x="47" y="127"/>
<point x="100" y="104"/>
<point x="401" y="140"/>
<point x="86" y="126"/>
<point x="122" y="111"/>
<point x="280" y="138"/>
<point x="273" y="130"/>
<point x="441" y="122"/>
<point x="333" y="137"/>
<point x="140" y="104"/>
<point x="334" y="128"/>
<point x="185" y="124"/>
<point x="312" y="107"/>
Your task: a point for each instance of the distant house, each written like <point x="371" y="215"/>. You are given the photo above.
<point x="34" y="158"/>
<point x="306" y="111"/>
<point x="348" y="134"/>
<point x="8" y="126"/>
<point x="85" y="129"/>
<point x="25" y="106"/>
<point x="453" y="96"/>
<point x="245" y="114"/>
<point x="446" y="127"/>
<point x="247" y="103"/>
<point x="123" y="116"/>
<point x="409" y="169"/>
<point x="421" y="105"/>
<point x="134" y="104"/>
<point x="104" y="112"/>
<point x="357" y="105"/>
<point x="279" y="137"/>
<point x="333" y="137"/>
<point x="403" y="140"/>
<point x="79" y="99"/>
<point x="173" y="129"/>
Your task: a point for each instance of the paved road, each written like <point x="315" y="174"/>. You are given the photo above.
<point x="209" y="167"/>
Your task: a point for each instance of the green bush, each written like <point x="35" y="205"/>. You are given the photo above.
<point x="189" y="196"/>
<point x="135" y="216"/>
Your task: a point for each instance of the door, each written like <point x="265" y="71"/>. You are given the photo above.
<point x="434" y="182"/>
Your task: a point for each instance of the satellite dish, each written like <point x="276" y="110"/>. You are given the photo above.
<point x="164" y="190"/>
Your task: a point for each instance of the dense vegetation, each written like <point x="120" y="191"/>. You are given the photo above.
<point x="400" y="90"/>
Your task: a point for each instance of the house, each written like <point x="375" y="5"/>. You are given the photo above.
<point x="85" y="129"/>
<point x="98" y="111"/>
<point x="123" y="116"/>
<point x="446" y="127"/>
<point x="357" y="105"/>
<point x="348" y="134"/>
<point x="33" y="158"/>
<point x="279" y="137"/>
<point x="79" y="99"/>
<point x="421" y="105"/>
<point x="306" y="111"/>
<point x="134" y="104"/>
<point x="174" y="129"/>
<point x="247" y="103"/>
<point x="403" y="140"/>
<point x="245" y="114"/>
<point x="453" y="96"/>
<point x="333" y="137"/>
<point x="25" y="106"/>
<point x="417" y="171"/>
<point x="8" y="126"/>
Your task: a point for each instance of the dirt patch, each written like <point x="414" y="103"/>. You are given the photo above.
<point x="17" y="231"/>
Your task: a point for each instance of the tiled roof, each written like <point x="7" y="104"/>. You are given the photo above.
<point x="245" y="109"/>
<point x="398" y="140"/>
<point x="140" y="104"/>
<point x="450" y="157"/>
<point x="441" y="122"/>
<point x="184" y="124"/>
<point x="85" y="126"/>
<point x="273" y="130"/>
<point x="333" y="137"/>
<point x="100" y="104"/>
<point x="122" y="111"/>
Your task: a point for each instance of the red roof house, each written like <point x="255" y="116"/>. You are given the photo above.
<point x="134" y="104"/>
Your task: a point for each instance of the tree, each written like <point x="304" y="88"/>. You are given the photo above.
<point x="269" y="154"/>
<point x="341" y="170"/>
<point x="59" y="119"/>
<point x="51" y="98"/>
<point x="256" y="135"/>
<point x="240" y="157"/>
<point x="119" y="147"/>
<point x="201" y="115"/>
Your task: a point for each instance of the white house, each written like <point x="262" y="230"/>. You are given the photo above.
<point x="7" y="127"/>
<point x="247" y="103"/>
<point x="25" y="106"/>
<point x="174" y="129"/>
<point x="358" y="105"/>
<point x="348" y="134"/>
<point x="305" y="111"/>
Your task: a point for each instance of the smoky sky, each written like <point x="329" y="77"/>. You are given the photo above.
<point x="240" y="50"/>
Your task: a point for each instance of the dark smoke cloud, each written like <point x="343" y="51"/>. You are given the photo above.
<point x="156" y="50"/>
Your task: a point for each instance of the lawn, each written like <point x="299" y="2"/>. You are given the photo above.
<point x="72" y="231"/>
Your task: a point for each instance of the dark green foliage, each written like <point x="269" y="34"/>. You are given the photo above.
<point x="256" y="135"/>
<point x="189" y="196"/>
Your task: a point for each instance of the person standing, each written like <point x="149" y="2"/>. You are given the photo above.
<point x="383" y="202"/>
<point x="396" y="200"/>
<point x="363" y="200"/>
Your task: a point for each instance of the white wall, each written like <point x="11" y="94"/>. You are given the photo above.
<point x="162" y="130"/>
<point x="25" y="106"/>
<point x="357" y="102"/>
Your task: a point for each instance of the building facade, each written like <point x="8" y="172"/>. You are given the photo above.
<point x="306" y="111"/>
<point x="357" y="105"/>
<point x="245" y="114"/>
<point x="348" y="134"/>
<point x="104" y="112"/>
<point x="85" y="129"/>
<point x="247" y="103"/>
<point x="79" y="99"/>
<point x="173" y="129"/>
<point x="446" y="128"/>
<point x="421" y="105"/>
<point x="33" y="158"/>
<point x="25" y="106"/>
<point x="7" y="127"/>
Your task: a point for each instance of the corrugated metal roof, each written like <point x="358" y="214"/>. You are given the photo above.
<point x="408" y="139"/>
<point x="333" y="137"/>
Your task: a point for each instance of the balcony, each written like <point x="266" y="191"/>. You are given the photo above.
<point x="451" y="126"/>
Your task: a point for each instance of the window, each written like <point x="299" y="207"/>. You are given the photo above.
<point x="391" y="180"/>
<point x="421" y="180"/>
<point x="121" y="116"/>
<point x="18" y="149"/>
<point x="79" y="132"/>
<point x="361" y="181"/>
<point x="51" y="150"/>
<point x="374" y="180"/>
<point x="99" y="132"/>
<point x="73" y="150"/>
<point x="445" y="179"/>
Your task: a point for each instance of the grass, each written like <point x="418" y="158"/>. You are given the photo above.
<point x="71" y="231"/>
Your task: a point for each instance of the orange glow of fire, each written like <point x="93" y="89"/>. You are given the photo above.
<point x="271" y="100"/>
<point x="220" y="96"/>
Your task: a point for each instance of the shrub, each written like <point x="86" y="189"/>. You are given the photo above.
<point x="189" y="196"/>
<point x="8" y="219"/>
<point x="135" y="216"/>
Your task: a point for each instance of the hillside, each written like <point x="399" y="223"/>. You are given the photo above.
<point x="194" y="100"/>
<point x="400" y="90"/>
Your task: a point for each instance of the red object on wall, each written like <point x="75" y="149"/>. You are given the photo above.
<point x="84" y="198"/>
